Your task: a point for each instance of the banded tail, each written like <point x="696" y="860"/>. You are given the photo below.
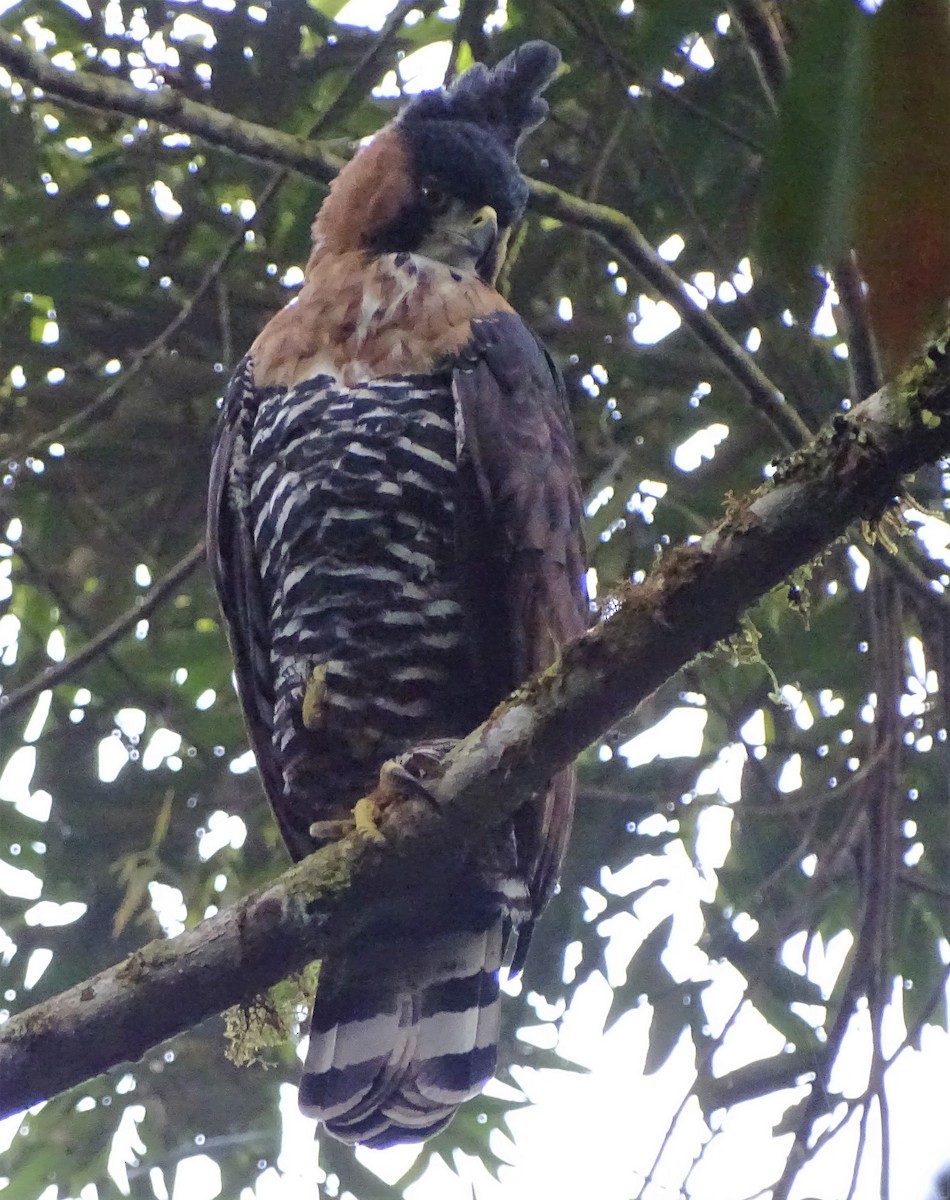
<point x="404" y="1034"/>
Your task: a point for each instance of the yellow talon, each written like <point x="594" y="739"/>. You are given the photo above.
<point x="313" y="697"/>
<point x="364" y="817"/>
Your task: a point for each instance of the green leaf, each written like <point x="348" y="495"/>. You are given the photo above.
<point x="818" y="147"/>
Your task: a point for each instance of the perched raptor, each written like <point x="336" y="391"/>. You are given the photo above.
<point x="394" y="523"/>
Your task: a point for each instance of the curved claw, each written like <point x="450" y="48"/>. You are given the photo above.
<point x="395" y="782"/>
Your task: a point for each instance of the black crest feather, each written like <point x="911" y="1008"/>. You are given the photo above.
<point x="506" y="98"/>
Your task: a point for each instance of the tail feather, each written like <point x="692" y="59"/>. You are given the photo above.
<point x="396" y="1047"/>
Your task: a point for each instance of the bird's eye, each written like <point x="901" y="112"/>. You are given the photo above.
<point x="437" y="200"/>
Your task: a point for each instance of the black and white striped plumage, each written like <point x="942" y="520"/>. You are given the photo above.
<point x="394" y="533"/>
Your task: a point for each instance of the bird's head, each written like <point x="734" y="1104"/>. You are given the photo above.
<point x="442" y="180"/>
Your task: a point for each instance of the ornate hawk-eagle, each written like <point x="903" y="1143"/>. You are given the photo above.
<point x="395" y="537"/>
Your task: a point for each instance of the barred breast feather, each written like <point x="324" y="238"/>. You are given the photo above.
<point x="392" y="557"/>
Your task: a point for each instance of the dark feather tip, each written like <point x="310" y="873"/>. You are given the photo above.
<point x="506" y="97"/>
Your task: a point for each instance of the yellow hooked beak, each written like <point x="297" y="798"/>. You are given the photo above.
<point x="460" y="237"/>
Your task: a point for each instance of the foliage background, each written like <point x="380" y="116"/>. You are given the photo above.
<point x="801" y="807"/>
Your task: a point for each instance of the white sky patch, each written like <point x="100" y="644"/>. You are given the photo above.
<point x="197" y="1178"/>
<point x="425" y="68"/>
<point x="223" y="830"/>
<point x="672" y="248"/>
<point x="742" y="280"/>
<point x="16" y="776"/>
<point x="700" y="447"/>
<point x="292" y="277"/>
<point x="386" y="89"/>
<point x="19" y="882"/>
<point x="242" y="764"/>
<point x="824" y="324"/>
<point x="862" y="568"/>
<point x="713" y="837"/>
<point x="565" y="309"/>
<point x="205" y="700"/>
<point x="111" y="757"/>
<point x="126" y="1146"/>
<point x="603" y="497"/>
<point x="34" y="726"/>
<point x="369" y="14"/>
<point x="36" y="966"/>
<point x="933" y="533"/>
<point x="657" y="319"/>
<point x="164" y="200"/>
<point x="918" y="663"/>
<point x="158" y="53"/>
<point x="829" y="703"/>
<point x="753" y="731"/>
<point x="168" y="904"/>
<point x="790" y="777"/>
<point x="724" y="776"/>
<point x="131" y="721"/>
<point x="726" y="293"/>
<point x="186" y="27"/>
<point x="50" y="334"/>
<point x="48" y="913"/>
<point x="677" y="735"/>
<point x="163" y="744"/>
<point x="9" y="639"/>
<point x="801" y="710"/>
<point x="700" y="56"/>
<point x="37" y="806"/>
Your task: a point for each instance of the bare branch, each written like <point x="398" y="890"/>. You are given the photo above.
<point x="693" y="599"/>
<point x="104" y="640"/>
<point x="626" y="240"/>
<point x="168" y="107"/>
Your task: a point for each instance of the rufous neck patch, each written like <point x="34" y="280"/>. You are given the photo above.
<point x="358" y="318"/>
<point x="370" y="191"/>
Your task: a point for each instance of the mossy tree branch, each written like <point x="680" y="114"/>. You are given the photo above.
<point x="850" y="471"/>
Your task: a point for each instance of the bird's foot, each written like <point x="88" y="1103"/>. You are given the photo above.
<point x="313" y="697"/>
<point x="364" y="820"/>
<point x="325" y="832"/>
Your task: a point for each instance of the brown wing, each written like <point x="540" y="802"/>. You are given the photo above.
<point x="520" y="540"/>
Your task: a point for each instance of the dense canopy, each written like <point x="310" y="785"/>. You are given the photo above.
<point x="756" y="890"/>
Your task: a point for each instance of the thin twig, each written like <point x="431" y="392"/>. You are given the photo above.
<point x="758" y="25"/>
<point x="106" y="398"/>
<point x="103" y="641"/>
<point x="703" y="1061"/>
<point x="626" y="240"/>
